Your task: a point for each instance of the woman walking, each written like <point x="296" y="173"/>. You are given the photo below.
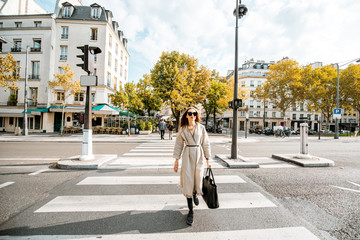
<point x="171" y="129"/>
<point x="193" y="147"/>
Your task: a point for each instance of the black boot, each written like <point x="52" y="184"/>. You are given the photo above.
<point x="196" y="200"/>
<point x="190" y="216"/>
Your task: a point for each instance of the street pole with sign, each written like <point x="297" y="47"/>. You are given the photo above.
<point x="87" y="81"/>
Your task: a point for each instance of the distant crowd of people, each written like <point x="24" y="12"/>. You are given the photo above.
<point x="163" y="126"/>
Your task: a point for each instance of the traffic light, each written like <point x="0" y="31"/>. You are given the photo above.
<point x="84" y="58"/>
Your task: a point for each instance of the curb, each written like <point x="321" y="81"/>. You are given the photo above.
<point x="312" y="162"/>
<point x="73" y="163"/>
<point x="240" y="162"/>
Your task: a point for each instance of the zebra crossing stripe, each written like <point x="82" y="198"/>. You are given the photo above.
<point x="149" y="147"/>
<point x="151" y="150"/>
<point x="148" y="154"/>
<point x="147" y="180"/>
<point x="119" y="203"/>
<point x="6" y="184"/>
<point x="293" y="233"/>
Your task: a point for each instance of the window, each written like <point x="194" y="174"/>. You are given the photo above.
<point x="2" y="122"/>
<point x="35" y="70"/>
<point x="252" y="73"/>
<point x="302" y="107"/>
<point x="273" y="114"/>
<point x="18" y="24"/>
<point x="95" y="57"/>
<point x="37" y="23"/>
<point x="34" y="95"/>
<point x="110" y="40"/>
<point x="17" y="46"/>
<point x="61" y="70"/>
<point x="309" y="116"/>
<point x="242" y="114"/>
<point x="251" y="114"/>
<point x="17" y="73"/>
<point x="125" y="60"/>
<point x="66" y="12"/>
<point x="274" y="105"/>
<point x="252" y="83"/>
<point x="60" y="96"/>
<point x="301" y="116"/>
<point x="251" y="103"/>
<point x="1" y="25"/>
<point x="258" y="105"/>
<point x="79" y="97"/>
<point x="115" y="83"/>
<point x="63" y="52"/>
<point x="117" y="49"/>
<point x="94" y="73"/>
<point x="266" y="114"/>
<point x="121" y="70"/>
<point x="108" y="79"/>
<point x="94" y="33"/>
<point x="109" y="59"/>
<point x="116" y="65"/>
<point x="258" y="74"/>
<point x="109" y="98"/>
<point x="92" y="97"/>
<point x="258" y="113"/>
<point x="125" y="75"/>
<point x="122" y="55"/>
<point x="64" y="32"/>
<point x="266" y="104"/>
<point x="11" y="120"/>
<point x="294" y="117"/>
<point x="95" y="12"/>
<point x="259" y="83"/>
<point x="316" y="117"/>
<point x="36" y="45"/>
<point x="243" y="84"/>
<point x="294" y="107"/>
<point x="251" y="93"/>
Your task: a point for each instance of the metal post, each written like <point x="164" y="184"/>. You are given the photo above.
<point x="235" y="117"/>
<point x="246" y="133"/>
<point x="86" y="151"/>
<point x="336" y="136"/>
<point x="25" y="127"/>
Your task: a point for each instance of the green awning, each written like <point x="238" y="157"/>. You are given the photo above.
<point x="37" y="110"/>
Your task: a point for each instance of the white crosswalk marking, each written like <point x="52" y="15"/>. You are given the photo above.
<point x="293" y="233"/>
<point x="151" y="150"/>
<point x="147" y="180"/>
<point x="114" y="203"/>
<point x="148" y="154"/>
<point x="6" y="184"/>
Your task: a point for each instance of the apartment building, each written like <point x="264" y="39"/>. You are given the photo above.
<point x="53" y="40"/>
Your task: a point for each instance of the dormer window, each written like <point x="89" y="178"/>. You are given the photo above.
<point x="67" y="11"/>
<point x="95" y="13"/>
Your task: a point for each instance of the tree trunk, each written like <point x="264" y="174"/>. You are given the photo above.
<point x="214" y="128"/>
<point x="206" y="120"/>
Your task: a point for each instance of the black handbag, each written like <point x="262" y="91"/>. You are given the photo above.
<point x="209" y="190"/>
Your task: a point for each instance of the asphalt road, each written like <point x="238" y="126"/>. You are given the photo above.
<point x="326" y="198"/>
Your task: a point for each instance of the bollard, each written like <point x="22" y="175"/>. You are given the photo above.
<point x="304" y="145"/>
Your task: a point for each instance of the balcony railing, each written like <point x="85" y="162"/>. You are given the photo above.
<point x="63" y="57"/>
<point x="16" y="49"/>
<point x="64" y="36"/>
<point x="35" y="49"/>
<point x="33" y="76"/>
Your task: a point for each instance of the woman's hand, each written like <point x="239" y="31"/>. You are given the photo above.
<point x="207" y="163"/>
<point x="176" y="165"/>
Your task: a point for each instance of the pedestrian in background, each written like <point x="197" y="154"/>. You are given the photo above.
<point x="193" y="147"/>
<point x="162" y="127"/>
<point x="171" y="129"/>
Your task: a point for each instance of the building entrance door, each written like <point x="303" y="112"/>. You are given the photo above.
<point x="57" y="122"/>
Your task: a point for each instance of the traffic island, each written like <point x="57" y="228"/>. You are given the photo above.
<point x="240" y="162"/>
<point x="310" y="161"/>
<point x="73" y="163"/>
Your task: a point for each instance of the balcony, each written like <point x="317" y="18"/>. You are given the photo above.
<point x="63" y="57"/>
<point x="35" y="49"/>
<point x="16" y="49"/>
<point x="64" y="36"/>
<point x="33" y="76"/>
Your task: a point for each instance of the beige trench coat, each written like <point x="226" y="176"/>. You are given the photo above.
<point x="193" y="158"/>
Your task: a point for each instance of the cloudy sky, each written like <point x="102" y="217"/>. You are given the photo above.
<point x="306" y="31"/>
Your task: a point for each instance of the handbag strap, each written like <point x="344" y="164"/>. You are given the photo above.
<point x="210" y="174"/>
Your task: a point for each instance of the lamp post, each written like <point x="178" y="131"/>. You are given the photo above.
<point x="336" y="136"/>
<point x="239" y="12"/>
<point x="25" y="127"/>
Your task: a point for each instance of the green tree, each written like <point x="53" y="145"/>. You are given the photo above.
<point x="9" y="72"/>
<point x="282" y="84"/>
<point x="127" y="98"/>
<point x="64" y="81"/>
<point x="179" y="82"/>
<point x="148" y="96"/>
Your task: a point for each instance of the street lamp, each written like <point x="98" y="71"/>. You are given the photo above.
<point x="336" y="136"/>
<point x="239" y="12"/>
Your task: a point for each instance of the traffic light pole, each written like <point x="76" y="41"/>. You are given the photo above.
<point x="86" y="149"/>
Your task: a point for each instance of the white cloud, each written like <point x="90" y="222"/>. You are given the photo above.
<point x="307" y="31"/>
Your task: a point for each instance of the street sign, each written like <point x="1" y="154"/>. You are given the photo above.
<point x="337" y="113"/>
<point x="88" y="80"/>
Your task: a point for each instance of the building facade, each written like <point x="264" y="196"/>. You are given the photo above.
<point x="53" y="40"/>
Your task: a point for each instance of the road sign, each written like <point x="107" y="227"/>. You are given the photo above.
<point x="337" y="113"/>
<point x="88" y="80"/>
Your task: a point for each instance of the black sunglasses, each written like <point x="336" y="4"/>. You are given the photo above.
<point x="192" y="113"/>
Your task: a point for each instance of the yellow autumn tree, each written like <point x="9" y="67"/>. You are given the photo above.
<point x="63" y="81"/>
<point x="147" y="95"/>
<point x="282" y="84"/>
<point x="320" y="90"/>
<point x="9" y="72"/>
<point x="350" y="88"/>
